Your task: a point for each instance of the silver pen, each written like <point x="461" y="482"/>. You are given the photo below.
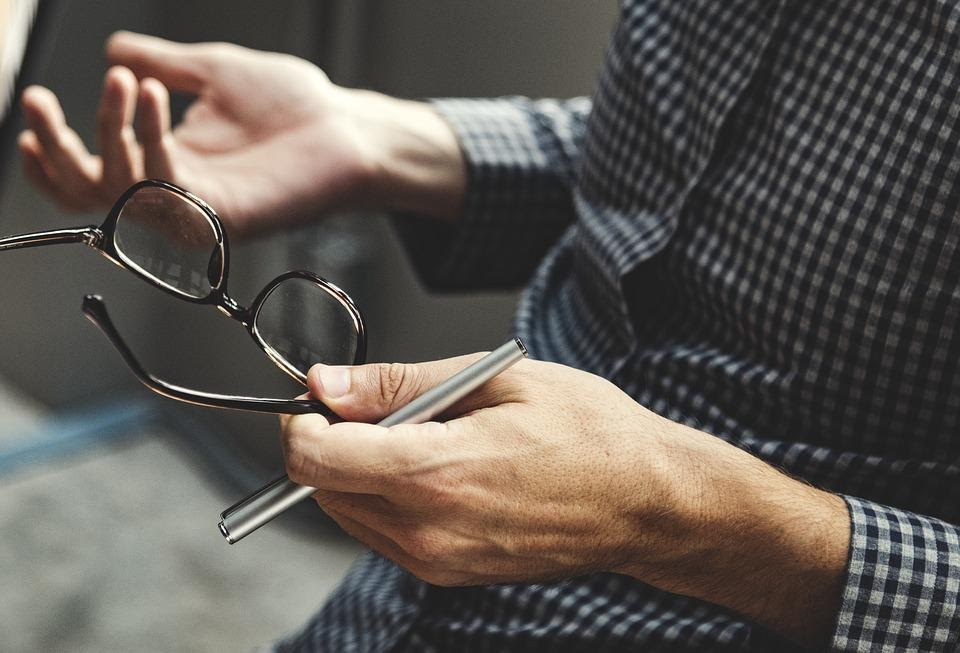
<point x="252" y="512"/>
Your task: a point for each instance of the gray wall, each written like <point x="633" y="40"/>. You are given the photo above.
<point x="423" y="48"/>
<point x="414" y="48"/>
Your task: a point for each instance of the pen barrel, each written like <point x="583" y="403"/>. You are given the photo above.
<point x="254" y="511"/>
<point x="437" y="399"/>
<point x="241" y="519"/>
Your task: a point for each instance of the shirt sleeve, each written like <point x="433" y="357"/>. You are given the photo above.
<point x="521" y="158"/>
<point x="903" y="582"/>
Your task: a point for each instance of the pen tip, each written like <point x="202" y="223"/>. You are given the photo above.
<point x="523" y="350"/>
<point x="225" y="533"/>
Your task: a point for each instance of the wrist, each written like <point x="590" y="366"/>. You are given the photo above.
<point x="747" y="537"/>
<point x="786" y="554"/>
<point x="413" y="161"/>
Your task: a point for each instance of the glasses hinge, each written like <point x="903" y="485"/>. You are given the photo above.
<point x="93" y="237"/>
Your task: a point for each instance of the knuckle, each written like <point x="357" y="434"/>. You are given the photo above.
<point x="216" y="49"/>
<point x="438" y="488"/>
<point x="218" y="55"/>
<point x="128" y="135"/>
<point x="60" y="139"/>
<point x="298" y="464"/>
<point x="425" y="545"/>
<point x="397" y="381"/>
<point x="401" y="460"/>
<point x="331" y="502"/>
<point x="295" y="467"/>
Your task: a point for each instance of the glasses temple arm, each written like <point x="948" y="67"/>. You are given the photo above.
<point x="96" y="311"/>
<point x="88" y="235"/>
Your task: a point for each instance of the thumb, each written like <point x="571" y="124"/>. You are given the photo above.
<point x="368" y="393"/>
<point x="180" y="66"/>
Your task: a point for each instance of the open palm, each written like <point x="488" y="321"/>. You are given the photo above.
<point x="267" y="141"/>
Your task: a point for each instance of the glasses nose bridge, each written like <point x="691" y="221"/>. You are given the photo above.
<point x="229" y="307"/>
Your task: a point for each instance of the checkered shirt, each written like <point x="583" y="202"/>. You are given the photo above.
<point x="752" y="228"/>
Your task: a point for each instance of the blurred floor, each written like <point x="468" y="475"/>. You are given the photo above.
<point x="115" y="548"/>
<point x="17" y="413"/>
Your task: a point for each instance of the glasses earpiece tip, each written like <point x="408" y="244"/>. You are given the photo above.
<point x="91" y="301"/>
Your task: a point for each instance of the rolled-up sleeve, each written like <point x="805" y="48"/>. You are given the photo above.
<point x="521" y="158"/>
<point x="902" y="587"/>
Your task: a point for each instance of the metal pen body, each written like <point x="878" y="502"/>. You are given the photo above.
<point x="254" y="511"/>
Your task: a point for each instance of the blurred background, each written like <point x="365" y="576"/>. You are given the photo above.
<point x="109" y="496"/>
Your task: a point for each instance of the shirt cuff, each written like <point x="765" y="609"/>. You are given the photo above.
<point x="520" y="156"/>
<point x="902" y="587"/>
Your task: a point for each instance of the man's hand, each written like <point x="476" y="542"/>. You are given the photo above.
<point x="548" y="472"/>
<point x="268" y="141"/>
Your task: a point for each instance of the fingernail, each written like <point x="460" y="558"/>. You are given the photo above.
<point x="334" y="381"/>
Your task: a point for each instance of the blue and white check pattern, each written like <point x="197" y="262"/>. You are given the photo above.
<point x="752" y="228"/>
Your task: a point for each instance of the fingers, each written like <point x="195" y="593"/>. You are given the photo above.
<point x="181" y="66"/>
<point x="72" y="170"/>
<point x="370" y="509"/>
<point x="316" y="420"/>
<point x="32" y="157"/>
<point x="372" y="539"/>
<point x="154" y="129"/>
<point x="56" y="160"/>
<point x="357" y="458"/>
<point x="122" y="164"/>
<point x="424" y="552"/>
<point x="366" y="393"/>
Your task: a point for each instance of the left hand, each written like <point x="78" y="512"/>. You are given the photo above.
<point x="544" y="472"/>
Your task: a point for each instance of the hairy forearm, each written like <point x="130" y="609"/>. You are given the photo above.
<point x="417" y="165"/>
<point x="763" y="544"/>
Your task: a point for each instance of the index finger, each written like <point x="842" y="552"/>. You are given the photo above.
<point x="286" y="417"/>
<point x="180" y="66"/>
<point x="355" y="457"/>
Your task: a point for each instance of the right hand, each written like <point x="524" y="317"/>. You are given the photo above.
<point x="268" y="141"/>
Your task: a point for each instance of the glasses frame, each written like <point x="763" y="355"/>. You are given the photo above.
<point x="95" y="310"/>
<point x="103" y="239"/>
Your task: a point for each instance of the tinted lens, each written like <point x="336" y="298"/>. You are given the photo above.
<point x="168" y="238"/>
<point x="304" y="324"/>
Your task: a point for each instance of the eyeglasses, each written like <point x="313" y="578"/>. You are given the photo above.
<point x="175" y="241"/>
